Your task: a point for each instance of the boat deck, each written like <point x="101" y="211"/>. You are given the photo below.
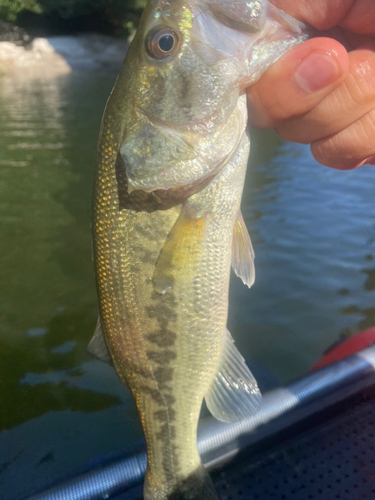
<point x="328" y="456"/>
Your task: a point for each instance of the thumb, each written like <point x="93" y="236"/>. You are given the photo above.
<point x="297" y="82"/>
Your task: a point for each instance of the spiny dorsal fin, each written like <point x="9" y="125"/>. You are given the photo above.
<point x="181" y="249"/>
<point x="242" y="252"/>
<point x="234" y="394"/>
<point x="97" y="346"/>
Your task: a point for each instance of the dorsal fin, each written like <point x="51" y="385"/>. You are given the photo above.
<point x="242" y="252"/>
<point x="234" y="394"/>
<point x="97" y="346"/>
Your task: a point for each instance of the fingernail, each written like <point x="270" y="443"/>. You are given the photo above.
<point x="316" y="72"/>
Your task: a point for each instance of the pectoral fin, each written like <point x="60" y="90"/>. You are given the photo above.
<point x="234" y="394"/>
<point x="97" y="346"/>
<point x="242" y="252"/>
<point x="181" y="249"/>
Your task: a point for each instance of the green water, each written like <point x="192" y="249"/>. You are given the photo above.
<point x="313" y="231"/>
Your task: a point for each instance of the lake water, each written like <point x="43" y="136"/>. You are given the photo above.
<point x="313" y="231"/>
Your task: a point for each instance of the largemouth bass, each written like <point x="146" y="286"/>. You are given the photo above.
<point x="167" y="226"/>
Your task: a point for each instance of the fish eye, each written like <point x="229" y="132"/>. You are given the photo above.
<point x="162" y="43"/>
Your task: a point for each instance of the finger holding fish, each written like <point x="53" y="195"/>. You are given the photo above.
<point x="330" y="104"/>
<point x="338" y="122"/>
<point x="354" y="15"/>
<point x="297" y="83"/>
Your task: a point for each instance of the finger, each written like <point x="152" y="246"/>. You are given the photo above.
<point x="297" y="82"/>
<point x="355" y="16"/>
<point x="350" y="148"/>
<point x="322" y="14"/>
<point x="360" y="18"/>
<point x="351" y="100"/>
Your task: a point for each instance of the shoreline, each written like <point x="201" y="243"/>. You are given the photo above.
<point x="48" y="57"/>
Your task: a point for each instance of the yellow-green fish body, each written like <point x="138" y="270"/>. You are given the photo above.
<point x="171" y="165"/>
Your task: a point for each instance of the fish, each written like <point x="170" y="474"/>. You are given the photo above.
<point x="167" y="226"/>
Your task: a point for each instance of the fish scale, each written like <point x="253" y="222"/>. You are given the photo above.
<point x="172" y="159"/>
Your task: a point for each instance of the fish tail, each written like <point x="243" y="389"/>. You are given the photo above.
<point x="197" y="486"/>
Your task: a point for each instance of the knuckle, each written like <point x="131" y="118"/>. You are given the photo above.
<point x="354" y="143"/>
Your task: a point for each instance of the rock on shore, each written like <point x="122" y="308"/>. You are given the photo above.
<point x="53" y="56"/>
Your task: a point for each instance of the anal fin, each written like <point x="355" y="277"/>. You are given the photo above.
<point x="234" y="394"/>
<point x="97" y="346"/>
<point x="242" y="252"/>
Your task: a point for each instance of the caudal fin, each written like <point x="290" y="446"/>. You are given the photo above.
<point x="197" y="486"/>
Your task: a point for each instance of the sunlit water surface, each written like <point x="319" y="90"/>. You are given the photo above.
<point x="313" y="231"/>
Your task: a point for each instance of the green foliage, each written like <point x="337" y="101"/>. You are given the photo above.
<point x="69" y="8"/>
<point x="116" y="9"/>
<point x="10" y="8"/>
<point x="122" y="6"/>
<point x="141" y="4"/>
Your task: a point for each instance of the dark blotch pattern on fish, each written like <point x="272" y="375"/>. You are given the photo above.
<point x="170" y="458"/>
<point x="166" y="432"/>
<point x="162" y="312"/>
<point x="160" y="398"/>
<point x="161" y="357"/>
<point x="163" y="415"/>
<point x="163" y="375"/>
<point x="162" y="337"/>
<point x="136" y="369"/>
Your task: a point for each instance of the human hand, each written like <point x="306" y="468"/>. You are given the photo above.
<point x="320" y="94"/>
